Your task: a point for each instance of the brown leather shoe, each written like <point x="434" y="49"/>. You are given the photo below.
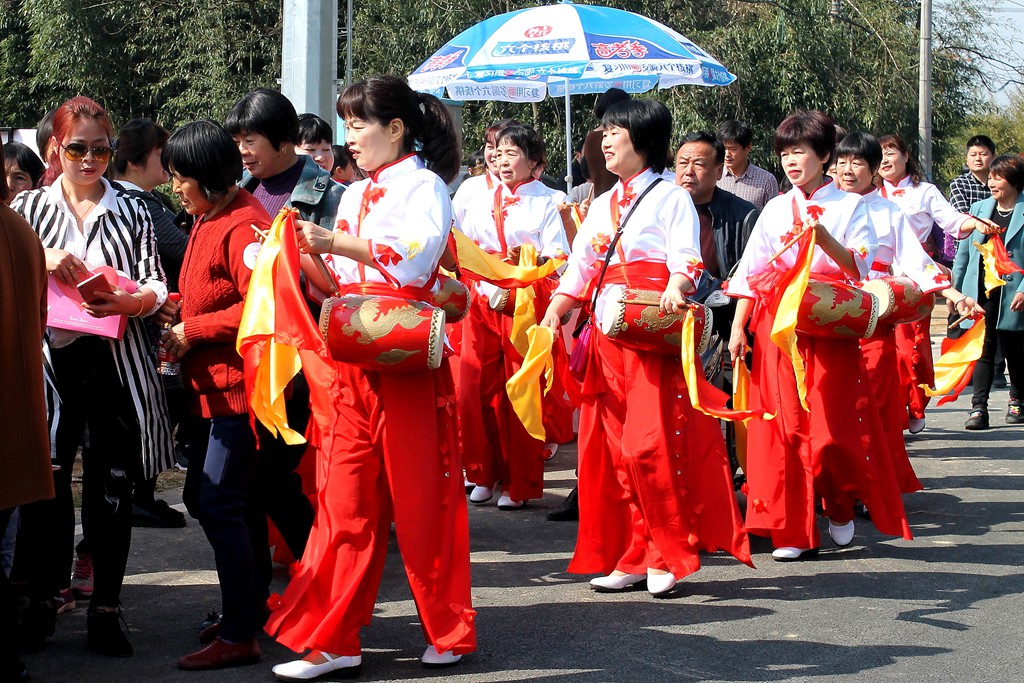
<point x="221" y="654"/>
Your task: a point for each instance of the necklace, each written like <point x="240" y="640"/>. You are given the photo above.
<point x="1003" y="213"/>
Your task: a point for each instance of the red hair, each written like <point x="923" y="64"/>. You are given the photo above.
<point x="66" y="117"/>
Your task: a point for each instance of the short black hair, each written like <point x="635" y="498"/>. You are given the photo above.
<point x="313" y="129"/>
<point x="476" y="158"/>
<point x="649" y="123"/>
<point x="607" y="99"/>
<point x="135" y="141"/>
<point x="44" y="131"/>
<point x="526" y="139"/>
<point x="735" y="131"/>
<point x="1010" y="168"/>
<point x="981" y="141"/>
<point x="708" y="139"/>
<point x="27" y="160"/>
<point x="862" y="146"/>
<point x="811" y="127"/>
<point x="265" y="112"/>
<point x="342" y="157"/>
<point x="204" y="151"/>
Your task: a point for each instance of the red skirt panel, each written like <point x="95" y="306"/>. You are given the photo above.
<point x="882" y="365"/>
<point x="373" y="475"/>
<point x="655" y="487"/>
<point x="914" y="342"/>
<point x="833" y="453"/>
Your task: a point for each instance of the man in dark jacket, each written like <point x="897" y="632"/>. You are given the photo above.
<point x="726" y="221"/>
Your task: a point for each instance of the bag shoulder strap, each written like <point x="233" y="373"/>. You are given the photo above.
<point x="615" y="242"/>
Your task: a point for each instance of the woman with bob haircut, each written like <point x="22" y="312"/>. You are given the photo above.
<point x="858" y="156"/>
<point x="496" y="446"/>
<point x="205" y="164"/>
<point x="1003" y="306"/>
<point x="922" y="203"/>
<point x="109" y="387"/>
<point x="826" y="452"/>
<point x="22" y="168"/>
<point x="655" y="486"/>
<point x="395" y="456"/>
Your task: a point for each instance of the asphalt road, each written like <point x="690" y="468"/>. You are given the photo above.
<point x="945" y="607"/>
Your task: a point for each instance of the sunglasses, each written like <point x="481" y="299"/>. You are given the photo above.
<point x="76" y="151"/>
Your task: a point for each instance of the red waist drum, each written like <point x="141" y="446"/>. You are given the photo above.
<point x="503" y="301"/>
<point x="633" y="318"/>
<point x="383" y="333"/>
<point x="452" y="297"/>
<point x="900" y="300"/>
<point x="836" y="309"/>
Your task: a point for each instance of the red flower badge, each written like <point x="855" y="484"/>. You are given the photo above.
<point x="343" y="227"/>
<point x="600" y="243"/>
<point x="386" y="255"/>
<point x="627" y="196"/>
<point x="814" y="211"/>
<point x="899" y="192"/>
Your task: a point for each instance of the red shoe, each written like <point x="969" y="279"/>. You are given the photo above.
<point x="221" y="654"/>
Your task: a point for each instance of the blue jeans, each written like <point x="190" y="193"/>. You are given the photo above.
<point x="221" y="466"/>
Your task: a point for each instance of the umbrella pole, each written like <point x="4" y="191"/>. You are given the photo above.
<point x="568" y="140"/>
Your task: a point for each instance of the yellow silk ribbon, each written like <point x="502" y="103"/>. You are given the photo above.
<point x="741" y="401"/>
<point x="988" y="257"/>
<point x="957" y="360"/>
<point x="480" y="265"/>
<point x="525" y="315"/>
<point x="523" y="388"/>
<point x="786" y="316"/>
<point x="279" y="363"/>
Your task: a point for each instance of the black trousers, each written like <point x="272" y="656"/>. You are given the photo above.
<point x="92" y="398"/>
<point x="1010" y="343"/>
<point x="9" y="663"/>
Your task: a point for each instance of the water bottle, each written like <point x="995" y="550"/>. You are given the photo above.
<point x="167" y="364"/>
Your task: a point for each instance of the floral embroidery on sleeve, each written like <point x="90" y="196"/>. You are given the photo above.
<point x="937" y="275"/>
<point x="412" y="248"/>
<point x="386" y="255"/>
<point x="694" y="268"/>
<point x="343" y="227"/>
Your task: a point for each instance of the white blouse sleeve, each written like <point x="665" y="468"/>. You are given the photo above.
<point x="941" y="211"/>
<point x="552" y="234"/>
<point x="683" y="243"/>
<point x="861" y="239"/>
<point x="753" y="261"/>
<point x="406" y="245"/>
<point x="912" y="260"/>
<point x="589" y="249"/>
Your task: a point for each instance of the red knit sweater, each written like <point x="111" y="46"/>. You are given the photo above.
<point x="213" y="284"/>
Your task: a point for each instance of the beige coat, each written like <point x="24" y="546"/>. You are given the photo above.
<point x="25" y="472"/>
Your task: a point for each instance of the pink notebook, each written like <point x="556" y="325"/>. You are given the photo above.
<point x="64" y="307"/>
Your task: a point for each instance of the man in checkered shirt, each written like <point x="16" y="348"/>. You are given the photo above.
<point x="972" y="185"/>
<point x="741" y="177"/>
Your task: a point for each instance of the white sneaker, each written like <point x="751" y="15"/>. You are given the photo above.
<point x="481" y="494"/>
<point x="842" y="534"/>
<point x="549" y="451"/>
<point x="614" y="584"/>
<point x="916" y="425"/>
<point x="506" y="503"/>
<point x="790" y="554"/>
<point x="301" y="670"/>
<point x="659" y="584"/>
<point x="432" y="659"/>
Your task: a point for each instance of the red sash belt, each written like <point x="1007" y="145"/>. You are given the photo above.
<point x="638" y="275"/>
<point x="879" y="267"/>
<point x="383" y="289"/>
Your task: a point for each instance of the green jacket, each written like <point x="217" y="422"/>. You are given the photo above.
<point x="967" y="266"/>
<point x="315" y="196"/>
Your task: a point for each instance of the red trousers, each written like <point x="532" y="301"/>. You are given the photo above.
<point x="914" y="343"/>
<point x="495" y="445"/>
<point x="655" y="487"/>
<point x="394" y="459"/>
<point x="833" y="453"/>
<point x="881" y="363"/>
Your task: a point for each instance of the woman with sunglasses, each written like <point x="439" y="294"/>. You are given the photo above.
<point x="655" y="486"/>
<point x="519" y="212"/>
<point x="108" y="387"/>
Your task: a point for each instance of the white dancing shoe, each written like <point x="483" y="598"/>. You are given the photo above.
<point x="916" y="425"/>
<point x="660" y="584"/>
<point x="842" y="534"/>
<point x="615" y="584"/>
<point x="432" y="659"/>
<point x="505" y="502"/>
<point x="301" y="670"/>
<point x="549" y="451"/>
<point x="790" y="554"/>
<point x="481" y="494"/>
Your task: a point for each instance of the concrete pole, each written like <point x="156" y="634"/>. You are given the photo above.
<point x="309" y="56"/>
<point x="924" y="93"/>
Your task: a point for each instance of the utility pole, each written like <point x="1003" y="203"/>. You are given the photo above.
<point x="924" y="93"/>
<point x="309" y="56"/>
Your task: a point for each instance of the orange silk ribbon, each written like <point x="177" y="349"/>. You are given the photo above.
<point x="787" y="310"/>
<point x="954" y="367"/>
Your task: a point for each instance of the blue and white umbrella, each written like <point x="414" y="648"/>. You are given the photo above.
<point x="561" y="50"/>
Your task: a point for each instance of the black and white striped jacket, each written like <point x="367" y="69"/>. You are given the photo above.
<point x="125" y="231"/>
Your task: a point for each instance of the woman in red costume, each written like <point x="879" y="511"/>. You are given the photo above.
<point x="655" y="486"/>
<point x="824" y="452"/>
<point x="496" y="445"/>
<point x="391" y="231"/>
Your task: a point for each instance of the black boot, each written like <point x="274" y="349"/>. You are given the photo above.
<point x="39" y="622"/>
<point x="568" y="511"/>
<point x="105" y="634"/>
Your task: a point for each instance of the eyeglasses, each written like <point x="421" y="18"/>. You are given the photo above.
<point x="76" y="151"/>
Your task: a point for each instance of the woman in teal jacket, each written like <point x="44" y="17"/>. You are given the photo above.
<point x="1004" y="306"/>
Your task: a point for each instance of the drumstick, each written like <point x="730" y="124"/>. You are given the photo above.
<point x="957" y="323"/>
<point x="259" y="232"/>
<point x="325" y="272"/>
<point x="788" y="244"/>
